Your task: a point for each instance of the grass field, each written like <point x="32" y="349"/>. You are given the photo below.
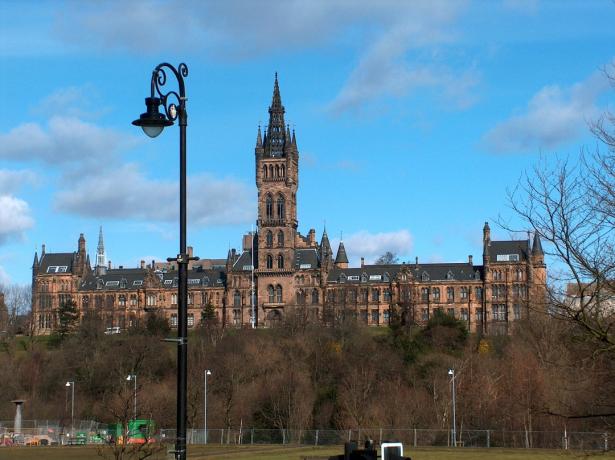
<point x="268" y="452"/>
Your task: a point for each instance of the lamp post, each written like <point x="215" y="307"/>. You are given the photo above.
<point x="207" y="372"/>
<point x="153" y="122"/>
<point x="133" y="377"/>
<point x="71" y="384"/>
<point x="451" y="372"/>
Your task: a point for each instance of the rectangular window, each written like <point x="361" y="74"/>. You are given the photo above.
<point x="478" y="293"/>
<point x="173" y="320"/>
<point x="353" y="278"/>
<point x="190" y="319"/>
<point x="151" y="300"/>
<point x="479" y="314"/>
<point x="133" y="300"/>
<point x="375" y="277"/>
<point x="137" y="283"/>
<point x="194" y="281"/>
<point x="517" y="311"/>
<point x="424" y="294"/>
<point x="464" y="314"/>
<point x="375" y="295"/>
<point x="386" y="316"/>
<point x="364" y="315"/>
<point x="122" y="301"/>
<point x="173" y="299"/>
<point x="352" y="296"/>
<point x="425" y="314"/>
<point x="387" y="295"/>
<point x="375" y="316"/>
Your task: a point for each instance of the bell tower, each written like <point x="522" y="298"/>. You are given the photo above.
<point x="277" y="164"/>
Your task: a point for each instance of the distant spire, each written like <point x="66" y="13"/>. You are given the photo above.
<point x="341" y="257"/>
<point x="537" y="246"/>
<point x="101" y="263"/>
<point x="294" y="140"/>
<point x="259" y="139"/>
<point x="35" y="262"/>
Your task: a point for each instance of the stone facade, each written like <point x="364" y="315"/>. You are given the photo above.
<point x="279" y="271"/>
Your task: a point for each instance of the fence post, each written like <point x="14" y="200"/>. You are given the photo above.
<point x="252" y="436"/>
<point x="415" y="437"/>
<point x="349" y="435"/>
<point x="380" y="440"/>
<point x="283" y="436"/>
<point x="488" y="439"/>
<point x="316" y="441"/>
<point x="606" y="442"/>
<point x="222" y="436"/>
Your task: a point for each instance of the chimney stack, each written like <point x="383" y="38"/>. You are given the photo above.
<point x="362" y="261"/>
<point x="470" y="260"/>
<point x="142" y="264"/>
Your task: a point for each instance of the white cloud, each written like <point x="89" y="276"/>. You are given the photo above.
<point x="554" y="115"/>
<point x="15" y="217"/>
<point x="373" y="245"/>
<point x="65" y="140"/>
<point x="5" y="279"/>
<point x="127" y="193"/>
<point x="10" y="181"/>
<point x="80" y="102"/>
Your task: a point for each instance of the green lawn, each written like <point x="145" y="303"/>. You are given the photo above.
<point x="268" y="452"/>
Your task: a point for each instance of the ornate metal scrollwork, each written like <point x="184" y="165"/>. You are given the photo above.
<point x="174" y="102"/>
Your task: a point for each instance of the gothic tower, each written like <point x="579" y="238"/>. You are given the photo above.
<point x="101" y="260"/>
<point x="277" y="165"/>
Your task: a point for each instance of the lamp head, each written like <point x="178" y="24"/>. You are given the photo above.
<point x="207" y="372"/>
<point x="68" y="384"/>
<point x="451" y="372"/>
<point x="152" y="121"/>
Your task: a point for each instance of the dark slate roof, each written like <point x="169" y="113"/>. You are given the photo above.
<point x="305" y="257"/>
<point x="57" y="259"/>
<point x="499" y="249"/>
<point x="537" y="246"/>
<point x="133" y="278"/>
<point x="341" y="257"/>
<point x="243" y="262"/>
<point x="422" y="272"/>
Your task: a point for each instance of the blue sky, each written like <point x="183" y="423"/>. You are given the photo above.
<point x="413" y="119"/>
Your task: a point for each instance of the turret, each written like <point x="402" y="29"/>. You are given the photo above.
<point x="341" y="260"/>
<point x="486" y="243"/>
<point x="537" y="253"/>
<point x="101" y="266"/>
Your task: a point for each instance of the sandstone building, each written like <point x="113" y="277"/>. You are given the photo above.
<point x="279" y="271"/>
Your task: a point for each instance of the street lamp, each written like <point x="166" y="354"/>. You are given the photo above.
<point x="153" y="122"/>
<point x="207" y="372"/>
<point x="451" y="372"/>
<point x="133" y="377"/>
<point x="71" y="384"/>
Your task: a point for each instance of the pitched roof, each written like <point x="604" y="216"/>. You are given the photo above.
<point x="422" y="272"/>
<point x="306" y="258"/>
<point x="57" y="262"/>
<point x="499" y="250"/>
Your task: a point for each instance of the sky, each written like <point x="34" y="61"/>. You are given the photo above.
<point x="414" y="119"/>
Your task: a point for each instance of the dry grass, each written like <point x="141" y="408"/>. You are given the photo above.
<point x="268" y="452"/>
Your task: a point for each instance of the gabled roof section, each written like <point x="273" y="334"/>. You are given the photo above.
<point x="341" y="257"/>
<point x="244" y="262"/>
<point x="509" y="251"/>
<point x="375" y="274"/>
<point x="56" y="262"/>
<point x="306" y="259"/>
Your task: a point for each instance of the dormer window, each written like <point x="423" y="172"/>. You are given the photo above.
<point x="424" y="276"/>
<point x="99" y="284"/>
<point x="386" y="277"/>
<point x="123" y="283"/>
<point x="363" y="277"/>
<point x="450" y="276"/>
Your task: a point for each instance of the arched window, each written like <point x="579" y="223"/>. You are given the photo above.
<point x="269" y="261"/>
<point x="435" y="294"/>
<point x="271" y="294"/>
<point x="278" y="294"/>
<point x="300" y="297"/>
<point x="315" y="297"/>
<point x="265" y="171"/>
<point x="277" y="171"/>
<point x="280" y="261"/>
<point x="269" y="206"/>
<point x="269" y="239"/>
<point x="282" y="171"/>
<point x="237" y="299"/>
<point x="280" y="238"/>
<point x="270" y="170"/>
<point x="450" y="294"/>
<point x="281" y="210"/>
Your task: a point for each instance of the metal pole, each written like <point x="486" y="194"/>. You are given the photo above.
<point x="207" y="372"/>
<point x="182" y="323"/>
<point x="72" y="409"/>
<point x="135" y="402"/>
<point x="451" y="372"/>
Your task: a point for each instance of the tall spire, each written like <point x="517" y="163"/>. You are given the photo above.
<point x="276" y="139"/>
<point x="341" y="260"/>
<point x="537" y="246"/>
<point x="101" y="263"/>
<point x="259" y="139"/>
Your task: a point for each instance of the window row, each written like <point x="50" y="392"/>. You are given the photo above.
<point x="279" y="260"/>
<point x="269" y="239"/>
<point x="280" y="206"/>
<point x="274" y="172"/>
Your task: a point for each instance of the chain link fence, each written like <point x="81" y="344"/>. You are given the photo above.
<point x="51" y="432"/>
<point x="410" y="437"/>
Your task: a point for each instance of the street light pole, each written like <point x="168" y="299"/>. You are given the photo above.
<point x="153" y="122"/>
<point x="133" y="377"/>
<point x="71" y="384"/>
<point x="451" y="372"/>
<point x="207" y="372"/>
